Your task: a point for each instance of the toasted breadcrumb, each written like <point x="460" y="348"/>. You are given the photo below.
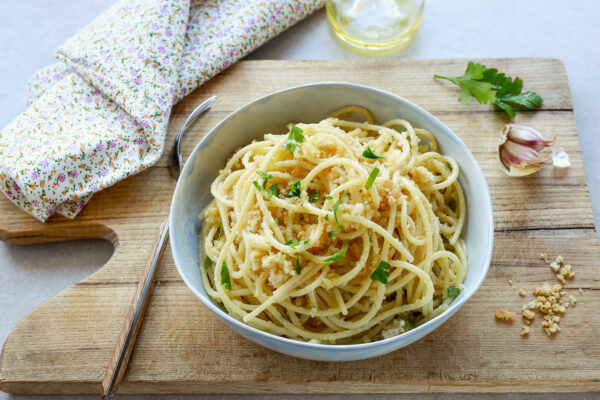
<point x="550" y="324"/>
<point x="559" y="259"/>
<point x="504" y="315"/>
<point x="528" y="315"/>
<point x="547" y="299"/>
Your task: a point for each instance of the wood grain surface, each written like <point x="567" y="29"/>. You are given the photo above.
<point x="64" y="345"/>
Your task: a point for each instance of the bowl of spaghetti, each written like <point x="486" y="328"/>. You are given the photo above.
<point x="332" y="222"/>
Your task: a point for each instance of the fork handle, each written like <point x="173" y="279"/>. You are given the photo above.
<point x="118" y="362"/>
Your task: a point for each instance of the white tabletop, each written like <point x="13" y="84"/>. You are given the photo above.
<point x="31" y="30"/>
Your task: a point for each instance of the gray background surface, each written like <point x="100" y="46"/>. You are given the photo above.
<point x="31" y="30"/>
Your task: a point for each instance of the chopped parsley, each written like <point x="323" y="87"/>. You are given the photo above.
<point x="265" y="177"/>
<point x="409" y="324"/>
<point x="273" y="190"/>
<point x="371" y="178"/>
<point x="220" y="231"/>
<point x="335" y="208"/>
<point x="312" y="197"/>
<point x="295" y="140"/>
<point x="293" y="244"/>
<point x="283" y="316"/>
<point x="336" y="257"/>
<point x="295" y="190"/>
<point x="256" y="185"/>
<point x="298" y="268"/>
<point x="329" y="197"/>
<point x="225" y="279"/>
<point x="453" y="291"/>
<point x="207" y="262"/>
<point x="332" y="234"/>
<point x="381" y="273"/>
<point x="276" y="221"/>
<point x="326" y="217"/>
<point x="368" y="153"/>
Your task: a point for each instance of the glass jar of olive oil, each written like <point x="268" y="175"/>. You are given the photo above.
<point x="375" y="24"/>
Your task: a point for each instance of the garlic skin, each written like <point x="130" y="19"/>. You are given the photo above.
<point x="522" y="150"/>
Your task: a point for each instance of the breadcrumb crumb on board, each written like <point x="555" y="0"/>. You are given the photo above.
<point x="502" y="314"/>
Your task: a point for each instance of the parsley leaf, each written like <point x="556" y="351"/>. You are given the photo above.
<point x="295" y="190"/>
<point x="295" y="140"/>
<point x="298" y="268"/>
<point x="265" y="178"/>
<point x="490" y="86"/>
<point x="293" y="243"/>
<point x="381" y="273"/>
<point x="471" y="84"/>
<point x="332" y="234"/>
<point x="276" y="221"/>
<point x="326" y="217"/>
<point x="336" y="257"/>
<point x="273" y="191"/>
<point x="335" y="208"/>
<point x="409" y="324"/>
<point x="368" y="153"/>
<point x="225" y="279"/>
<point x="371" y="178"/>
<point x="312" y="197"/>
<point x="527" y="100"/>
<point x="256" y="185"/>
<point x="207" y="262"/>
<point x="220" y="231"/>
<point x="453" y="291"/>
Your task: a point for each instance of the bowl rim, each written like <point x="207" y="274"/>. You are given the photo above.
<point x="425" y="328"/>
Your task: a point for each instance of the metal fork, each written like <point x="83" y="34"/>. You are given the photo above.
<point x="118" y="362"/>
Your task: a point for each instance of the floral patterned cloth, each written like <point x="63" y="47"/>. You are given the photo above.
<point x="100" y="113"/>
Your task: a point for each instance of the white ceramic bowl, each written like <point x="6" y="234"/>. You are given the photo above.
<point x="311" y="103"/>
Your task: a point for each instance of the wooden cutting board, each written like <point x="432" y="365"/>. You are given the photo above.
<point x="64" y="345"/>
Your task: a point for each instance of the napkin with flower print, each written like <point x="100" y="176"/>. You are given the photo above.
<point x="100" y="113"/>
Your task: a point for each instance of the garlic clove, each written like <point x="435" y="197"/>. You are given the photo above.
<point x="522" y="150"/>
<point x="526" y="136"/>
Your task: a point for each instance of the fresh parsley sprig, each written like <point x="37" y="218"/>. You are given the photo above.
<point x="368" y="153"/>
<point x="381" y="273"/>
<point x="336" y="257"/>
<point x="295" y="140"/>
<point x="273" y="190"/>
<point x="298" y="267"/>
<point x="488" y="85"/>
<point x="293" y="244"/>
<point x="335" y="209"/>
<point x="225" y="279"/>
<point x="265" y="178"/>
<point x="371" y="178"/>
<point x="295" y="190"/>
<point x="409" y="325"/>
<point x="453" y="291"/>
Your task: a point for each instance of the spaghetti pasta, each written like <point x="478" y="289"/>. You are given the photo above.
<point x="339" y="232"/>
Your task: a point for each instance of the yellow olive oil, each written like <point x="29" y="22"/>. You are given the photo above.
<point x="375" y="24"/>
